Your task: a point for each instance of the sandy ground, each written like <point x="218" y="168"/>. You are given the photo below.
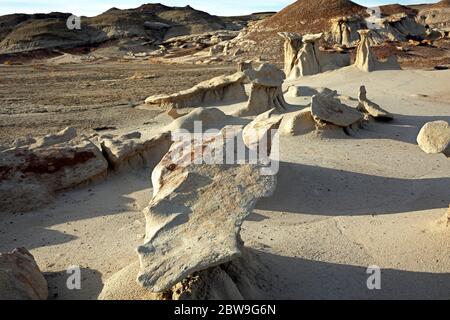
<point x="343" y="203"/>
<point x="46" y="97"/>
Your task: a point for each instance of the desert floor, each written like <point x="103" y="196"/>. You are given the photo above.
<point x="43" y="98"/>
<point x="343" y="202"/>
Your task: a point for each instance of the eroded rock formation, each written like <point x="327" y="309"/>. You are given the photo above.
<point x="371" y="108"/>
<point x="20" y="277"/>
<point x="259" y="132"/>
<point x="434" y="137"/>
<point x="217" y="90"/>
<point x="396" y="27"/>
<point x="266" y="92"/>
<point x="292" y="44"/>
<point x="209" y="118"/>
<point x="297" y="123"/>
<point x="344" y="30"/>
<point x="33" y="169"/>
<point x="130" y="151"/>
<point x="327" y="109"/>
<point x="366" y="59"/>
<point x="309" y="59"/>
<point x="244" y="278"/>
<point x="194" y="218"/>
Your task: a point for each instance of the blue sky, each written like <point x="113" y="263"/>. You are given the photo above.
<point x="223" y="7"/>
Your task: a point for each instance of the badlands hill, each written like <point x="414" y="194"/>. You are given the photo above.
<point x="149" y="22"/>
<point x="437" y="15"/>
<point x="303" y="16"/>
<point x="396" y="8"/>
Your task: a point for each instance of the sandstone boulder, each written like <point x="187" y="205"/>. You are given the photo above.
<point x="260" y="131"/>
<point x="371" y="108"/>
<point x="217" y="90"/>
<point x="20" y="277"/>
<point x="30" y="174"/>
<point x="194" y="218"/>
<point x="130" y="151"/>
<point x="330" y="110"/>
<point x="297" y="123"/>
<point x="434" y="138"/>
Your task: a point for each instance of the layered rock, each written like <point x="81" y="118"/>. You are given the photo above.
<point x="395" y="27"/>
<point x="400" y="27"/>
<point x="194" y="218"/>
<point x="32" y="170"/>
<point x="20" y="277"/>
<point x="327" y="109"/>
<point x="371" y="108"/>
<point x="131" y="151"/>
<point x="366" y="59"/>
<point x="434" y="137"/>
<point x="223" y="89"/>
<point x="310" y="59"/>
<point x="266" y="92"/>
<point x="436" y="16"/>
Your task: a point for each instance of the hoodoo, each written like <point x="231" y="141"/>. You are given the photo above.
<point x="366" y="59"/>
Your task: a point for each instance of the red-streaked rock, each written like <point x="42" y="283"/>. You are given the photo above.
<point x="194" y="218"/>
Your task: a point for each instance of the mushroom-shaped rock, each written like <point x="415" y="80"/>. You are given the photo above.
<point x="132" y="151"/>
<point x="311" y="60"/>
<point x="434" y="138"/>
<point x="266" y="92"/>
<point x="20" y="277"/>
<point x="195" y="216"/>
<point x="260" y="131"/>
<point x="297" y="123"/>
<point x="371" y="108"/>
<point x="366" y="59"/>
<point x="217" y="90"/>
<point x="331" y="110"/>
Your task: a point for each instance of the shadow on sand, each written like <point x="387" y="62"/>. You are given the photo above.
<point x="312" y="280"/>
<point x="329" y="192"/>
<point x="91" y="285"/>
